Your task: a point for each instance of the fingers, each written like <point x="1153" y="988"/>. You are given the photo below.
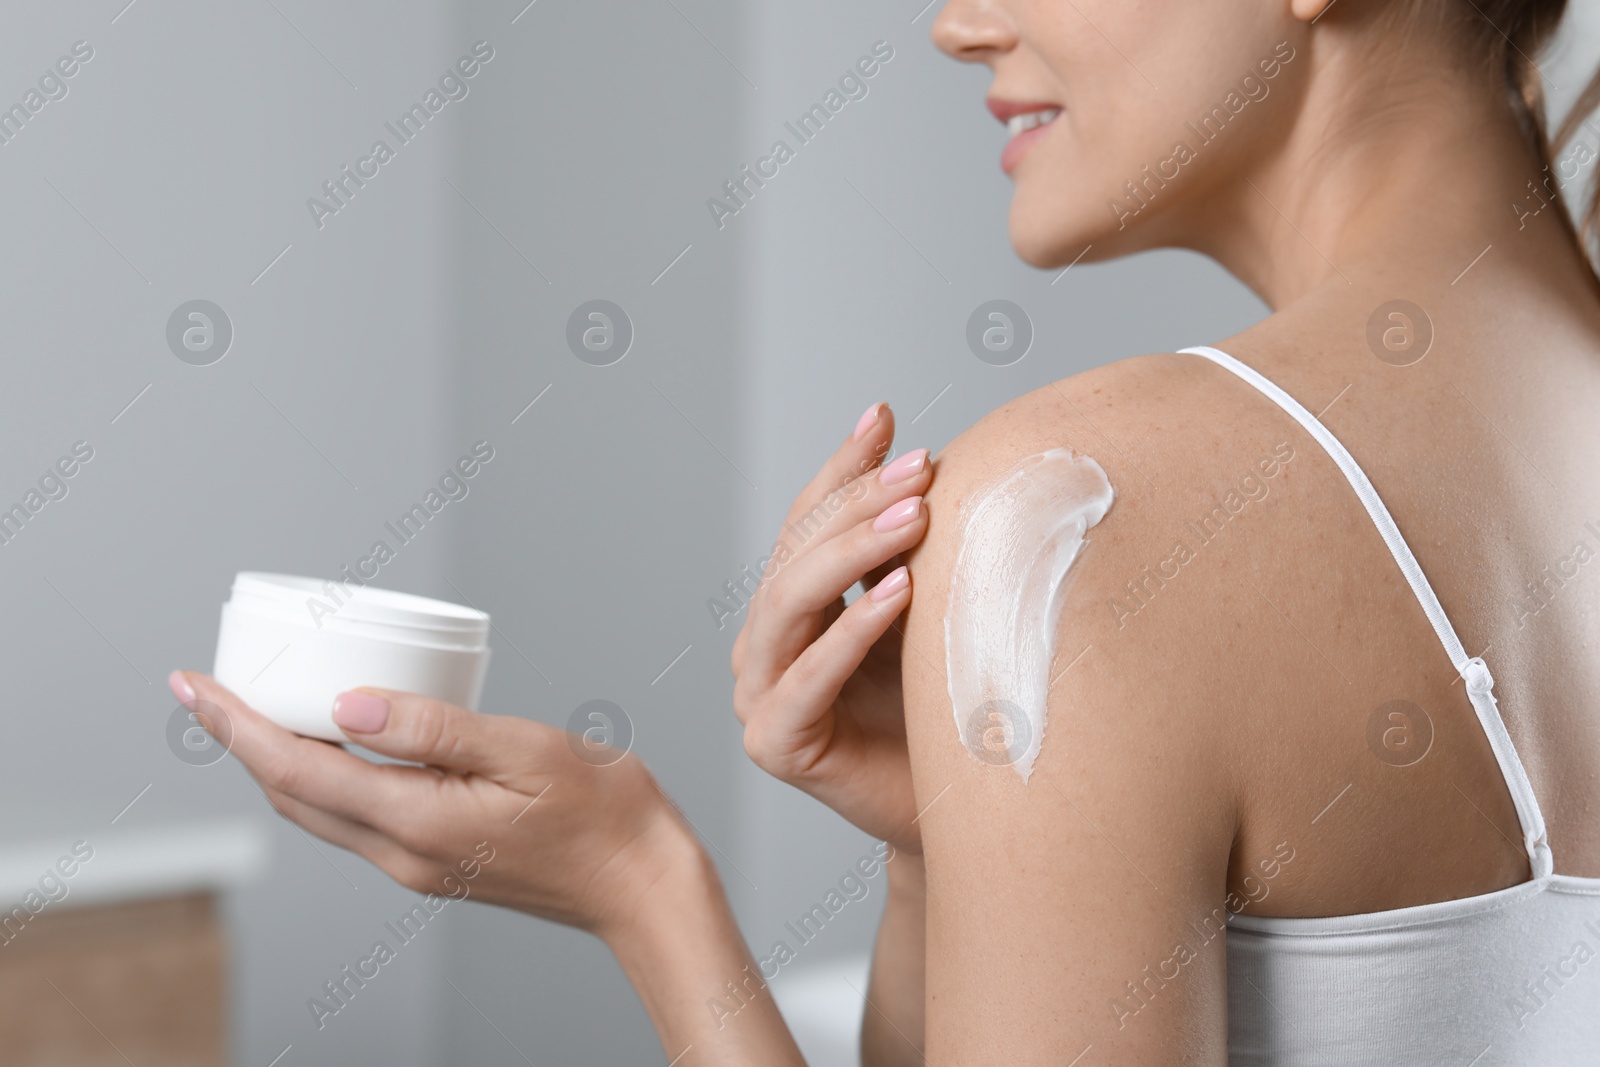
<point x="356" y="837"/>
<point x="809" y="584"/>
<point x="859" y="454"/>
<point x="404" y="820"/>
<point x="790" y="614"/>
<point x="852" y="486"/>
<point x="784" y="736"/>
<point x="853" y="503"/>
<point x="849" y="489"/>
<point x="423" y="730"/>
<point x="415" y="872"/>
<point x="322" y="775"/>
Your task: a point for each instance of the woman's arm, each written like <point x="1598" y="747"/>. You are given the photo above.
<point x="819" y="692"/>
<point x="818" y="689"/>
<point x="501" y="810"/>
<point x="1077" y="917"/>
<point x="683" y="952"/>
<point x="891" y="1029"/>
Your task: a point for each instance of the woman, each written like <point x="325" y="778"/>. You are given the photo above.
<point x="1244" y="721"/>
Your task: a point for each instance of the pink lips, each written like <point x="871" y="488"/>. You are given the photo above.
<point x="1018" y="146"/>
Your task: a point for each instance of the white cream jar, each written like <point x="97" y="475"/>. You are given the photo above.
<point x="289" y="645"/>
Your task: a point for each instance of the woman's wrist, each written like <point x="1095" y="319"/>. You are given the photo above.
<point x="669" y="876"/>
<point x="680" y="946"/>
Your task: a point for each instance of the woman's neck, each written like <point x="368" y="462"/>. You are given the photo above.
<point x="1405" y="182"/>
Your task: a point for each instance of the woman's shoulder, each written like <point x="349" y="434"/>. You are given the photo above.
<point x="1194" y="461"/>
<point x="1168" y="429"/>
<point x="1158" y="408"/>
<point x="1133" y="618"/>
<point x="1080" y="410"/>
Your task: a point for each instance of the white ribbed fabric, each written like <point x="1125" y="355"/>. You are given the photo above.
<point x="1505" y="979"/>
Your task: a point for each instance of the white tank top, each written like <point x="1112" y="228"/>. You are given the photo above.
<point x="1505" y="979"/>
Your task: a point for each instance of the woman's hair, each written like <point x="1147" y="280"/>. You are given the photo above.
<point x="1500" y="42"/>
<point x="1510" y="35"/>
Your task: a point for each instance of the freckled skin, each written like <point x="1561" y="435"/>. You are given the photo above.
<point x="1206" y="731"/>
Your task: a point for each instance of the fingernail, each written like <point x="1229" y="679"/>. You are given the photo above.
<point x="897" y="515"/>
<point x="180" y="687"/>
<point x="892" y="583"/>
<point x="906" y="466"/>
<point x="867" y="421"/>
<point x="360" y="713"/>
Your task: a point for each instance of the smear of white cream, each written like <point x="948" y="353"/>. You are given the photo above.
<point x="1020" y="538"/>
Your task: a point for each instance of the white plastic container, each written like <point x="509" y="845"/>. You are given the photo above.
<point x="289" y="645"/>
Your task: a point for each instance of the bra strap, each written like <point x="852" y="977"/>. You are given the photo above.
<point x="1472" y="669"/>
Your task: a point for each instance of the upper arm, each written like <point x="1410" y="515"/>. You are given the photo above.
<point x="1083" y="907"/>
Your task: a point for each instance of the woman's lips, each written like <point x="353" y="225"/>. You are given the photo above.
<point x="1027" y="123"/>
<point x="1018" y="147"/>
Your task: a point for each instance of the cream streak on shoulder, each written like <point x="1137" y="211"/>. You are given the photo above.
<point x="1018" y="543"/>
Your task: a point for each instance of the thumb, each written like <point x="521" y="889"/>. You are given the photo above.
<point x="424" y="730"/>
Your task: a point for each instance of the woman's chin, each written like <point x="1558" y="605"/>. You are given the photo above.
<point x="1059" y="229"/>
<point x="1045" y="244"/>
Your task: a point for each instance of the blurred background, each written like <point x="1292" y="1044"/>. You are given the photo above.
<point x="365" y="335"/>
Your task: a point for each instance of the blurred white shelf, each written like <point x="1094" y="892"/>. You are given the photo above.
<point x="134" y="864"/>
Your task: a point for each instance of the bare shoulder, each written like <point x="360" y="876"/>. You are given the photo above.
<point x="1190" y="456"/>
<point x="1224" y="639"/>
<point x="1086" y="653"/>
<point x="1156" y="600"/>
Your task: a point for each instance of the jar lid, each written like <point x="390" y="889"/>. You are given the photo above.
<point x="360" y="609"/>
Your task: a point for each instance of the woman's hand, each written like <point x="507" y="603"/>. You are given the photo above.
<point x="817" y="684"/>
<point x="503" y="810"/>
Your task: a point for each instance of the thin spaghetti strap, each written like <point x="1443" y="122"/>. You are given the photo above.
<point x="1479" y="682"/>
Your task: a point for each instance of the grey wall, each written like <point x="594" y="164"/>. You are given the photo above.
<point x="178" y="167"/>
<point x="612" y="521"/>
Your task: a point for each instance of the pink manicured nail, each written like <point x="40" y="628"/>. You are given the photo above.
<point x="892" y="583"/>
<point x="905" y="467"/>
<point x="181" y="687"/>
<point x="867" y="421"/>
<point x="897" y="515"/>
<point x="360" y="713"/>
